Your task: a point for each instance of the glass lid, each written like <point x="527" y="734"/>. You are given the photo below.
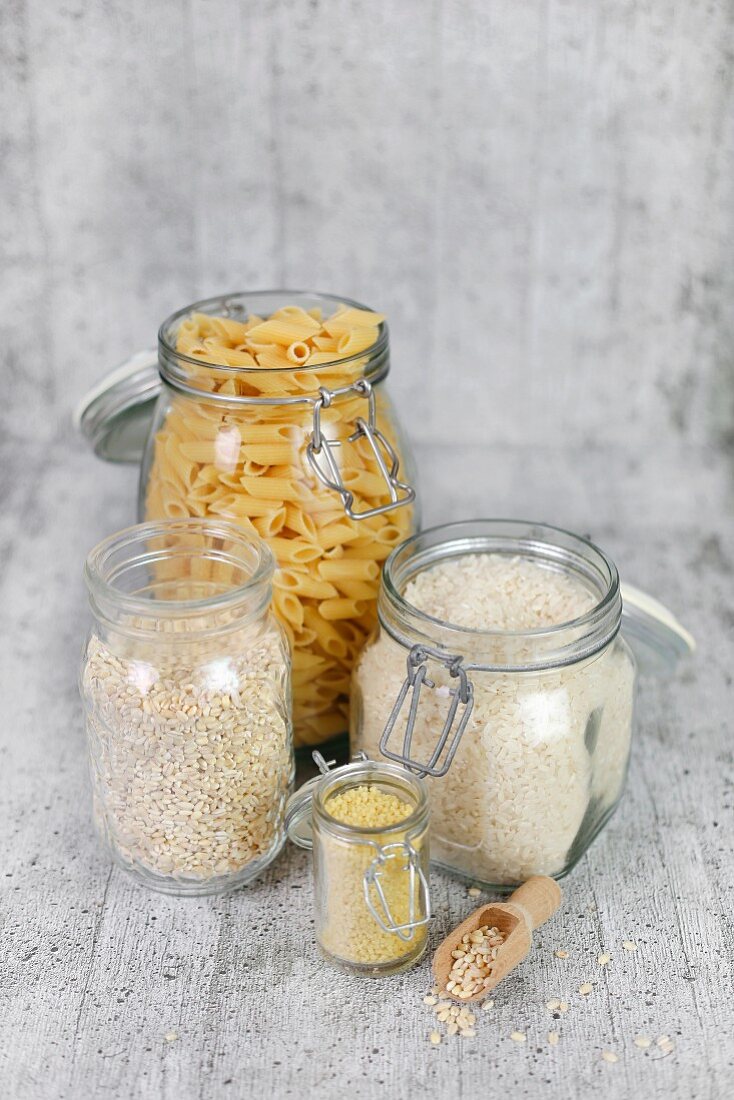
<point x="655" y="636"/>
<point x="115" y="414"/>
<point x="298" y="808"/>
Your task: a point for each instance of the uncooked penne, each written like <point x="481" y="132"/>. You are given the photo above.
<point x="238" y="451"/>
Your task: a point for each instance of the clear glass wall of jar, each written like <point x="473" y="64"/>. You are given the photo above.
<point x="371" y="891"/>
<point x="310" y="458"/>
<point x="186" y="686"/>
<point x="540" y="721"/>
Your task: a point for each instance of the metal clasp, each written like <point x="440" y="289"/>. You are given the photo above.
<point x="462" y="695"/>
<point x="372" y="879"/>
<point x="321" y="454"/>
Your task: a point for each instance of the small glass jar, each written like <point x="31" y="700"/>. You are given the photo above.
<point x="524" y="736"/>
<point x="186" y="687"/>
<point x="371" y="893"/>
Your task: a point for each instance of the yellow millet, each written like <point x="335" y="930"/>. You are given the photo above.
<point x="368" y="807"/>
<point x="349" y="930"/>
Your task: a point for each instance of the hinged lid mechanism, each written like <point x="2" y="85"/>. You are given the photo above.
<point x="655" y="636"/>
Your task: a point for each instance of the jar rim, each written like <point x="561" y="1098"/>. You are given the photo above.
<point x="561" y="643"/>
<point x="106" y="562"/>
<point x="222" y="303"/>
<point x="366" y="771"/>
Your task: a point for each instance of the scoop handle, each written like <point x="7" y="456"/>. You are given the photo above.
<point x="539" y="897"/>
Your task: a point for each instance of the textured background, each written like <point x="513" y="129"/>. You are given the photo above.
<point x="541" y="196"/>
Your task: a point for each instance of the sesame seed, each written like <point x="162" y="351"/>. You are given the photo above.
<point x="643" y="1042"/>
<point x="452" y="1028"/>
<point x="429" y="1000"/>
<point x="171" y="1036"/>
<point x="563" y="1006"/>
<point x="553" y="1038"/>
<point x="585" y="988"/>
<point x="487" y="1005"/>
<point x="609" y="1056"/>
<point x="603" y="959"/>
<point x="518" y="1036"/>
<point x="629" y="945"/>
<point x="474" y="891"/>
<point x="468" y="1033"/>
<point x="435" y="1038"/>
<point x="561" y="954"/>
<point x="553" y="1006"/>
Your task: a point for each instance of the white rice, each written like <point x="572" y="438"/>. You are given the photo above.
<point x="544" y="755"/>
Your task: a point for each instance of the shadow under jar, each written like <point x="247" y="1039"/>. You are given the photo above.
<point x="305" y="453"/>
<point x="186" y="687"/>
<point x="523" y="733"/>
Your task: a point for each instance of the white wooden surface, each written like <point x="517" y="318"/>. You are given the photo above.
<point x="541" y="196"/>
<point x="95" y="971"/>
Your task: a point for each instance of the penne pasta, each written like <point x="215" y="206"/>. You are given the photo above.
<point x="346" y="569"/>
<point x="247" y="463"/>
<point x="340" y="608"/>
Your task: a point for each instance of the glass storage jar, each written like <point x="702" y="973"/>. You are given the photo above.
<point x="185" y="681"/>
<point x="309" y="456"/>
<point x="524" y="736"/>
<point x="367" y="824"/>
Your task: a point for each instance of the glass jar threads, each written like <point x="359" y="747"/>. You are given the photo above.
<point x="500" y="673"/>
<point x="367" y="823"/>
<point x="186" y="686"/>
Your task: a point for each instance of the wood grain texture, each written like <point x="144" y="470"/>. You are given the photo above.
<point x="541" y="196"/>
<point x="96" y="971"/>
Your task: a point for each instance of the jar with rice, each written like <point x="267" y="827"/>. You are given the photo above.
<point x="499" y="672"/>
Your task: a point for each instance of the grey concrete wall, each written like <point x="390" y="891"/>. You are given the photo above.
<point x="540" y="195"/>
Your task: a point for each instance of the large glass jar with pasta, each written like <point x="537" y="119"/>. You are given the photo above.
<point x="272" y="413"/>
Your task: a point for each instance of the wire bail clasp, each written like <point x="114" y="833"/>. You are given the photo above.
<point x="417" y="887"/>
<point x="321" y="454"/>
<point x="461" y="696"/>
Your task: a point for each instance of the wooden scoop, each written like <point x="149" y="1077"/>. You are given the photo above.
<point x="530" y="906"/>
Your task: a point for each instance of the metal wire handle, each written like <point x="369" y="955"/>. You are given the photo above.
<point x="383" y="915"/>
<point x="320" y="453"/>
<point x="462" y="695"/>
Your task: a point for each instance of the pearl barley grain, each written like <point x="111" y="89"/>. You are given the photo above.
<point x="190" y="746"/>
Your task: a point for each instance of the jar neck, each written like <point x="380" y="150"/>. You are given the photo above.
<point x="179" y="577"/>
<point x="496" y="650"/>
<point x="390" y="779"/>
<point x="258" y="386"/>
